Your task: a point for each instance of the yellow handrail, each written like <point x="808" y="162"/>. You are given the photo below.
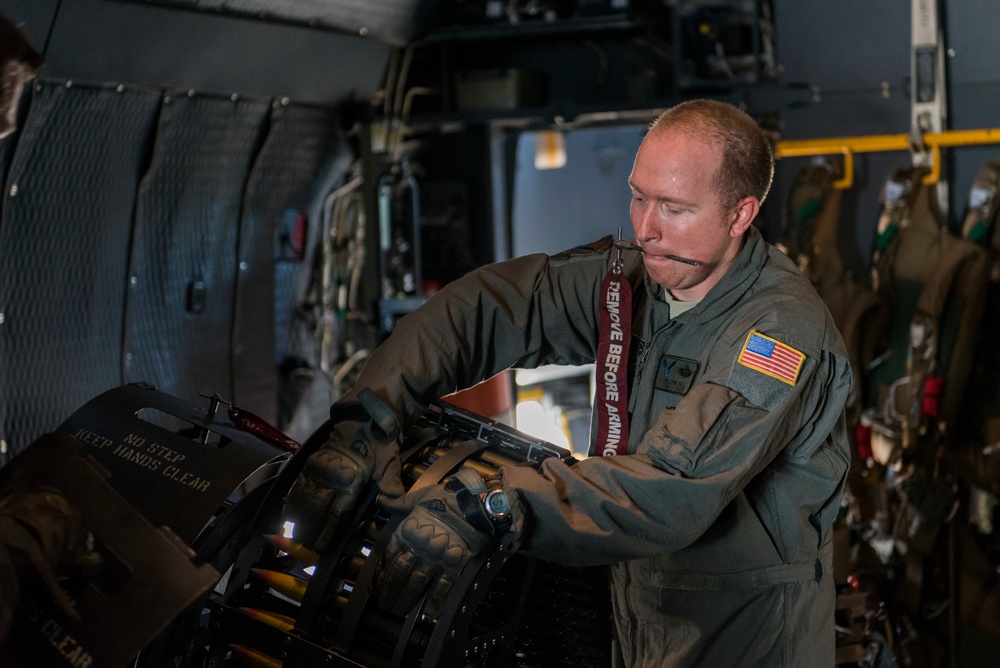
<point x="848" y="146"/>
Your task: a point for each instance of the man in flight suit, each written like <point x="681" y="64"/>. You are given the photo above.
<point x="716" y="520"/>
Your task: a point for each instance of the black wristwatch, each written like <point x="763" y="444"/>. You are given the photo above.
<point x="497" y="503"/>
<point x="485" y="502"/>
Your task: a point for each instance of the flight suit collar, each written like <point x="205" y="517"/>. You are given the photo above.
<point x="724" y="295"/>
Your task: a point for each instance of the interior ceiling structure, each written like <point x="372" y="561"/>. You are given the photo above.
<point x="396" y="22"/>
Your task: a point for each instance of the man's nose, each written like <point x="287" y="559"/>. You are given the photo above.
<point x="644" y="223"/>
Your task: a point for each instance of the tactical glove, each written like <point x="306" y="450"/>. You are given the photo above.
<point x="361" y="448"/>
<point x="447" y="525"/>
<point x="42" y="536"/>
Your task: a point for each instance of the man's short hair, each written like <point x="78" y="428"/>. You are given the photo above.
<point x="747" y="159"/>
<point x="19" y="63"/>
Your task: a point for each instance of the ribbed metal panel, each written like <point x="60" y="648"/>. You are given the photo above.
<point x="64" y="241"/>
<point x="184" y="261"/>
<point x="284" y="181"/>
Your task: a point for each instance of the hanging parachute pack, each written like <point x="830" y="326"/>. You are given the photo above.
<point x="813" y="238"/>
<point x="979" y="421"/>
<point x="979" y="224"/>
<point x="879" y="431"/>
<point x="936" y="283"/>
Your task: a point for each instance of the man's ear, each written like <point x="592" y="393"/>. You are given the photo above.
<point x="743" y="215"/>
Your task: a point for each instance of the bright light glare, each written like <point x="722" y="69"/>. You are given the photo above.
<point x="545" y="423"/>
<point x="289" y="529"/>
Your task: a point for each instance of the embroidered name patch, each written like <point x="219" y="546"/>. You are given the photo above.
<point x="676" y="374"/>
<point x="771" y="357"/>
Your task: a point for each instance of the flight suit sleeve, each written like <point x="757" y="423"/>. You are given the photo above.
<point x="524" y="312"/>
<point x="690" y="464"/>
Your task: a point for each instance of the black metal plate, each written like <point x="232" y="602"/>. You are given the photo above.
<point x="173" y="479"/>
<point x="122" y="608"/>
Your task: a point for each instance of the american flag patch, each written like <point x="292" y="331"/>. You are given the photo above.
<point x="771" y="357"/>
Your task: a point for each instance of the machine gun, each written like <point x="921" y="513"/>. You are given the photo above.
<point x="277" y="604"/>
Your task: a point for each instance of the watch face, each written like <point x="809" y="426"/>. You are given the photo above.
<point x="497" y="504"/>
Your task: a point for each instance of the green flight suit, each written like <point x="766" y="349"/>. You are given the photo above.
<point x="717" y="524"/>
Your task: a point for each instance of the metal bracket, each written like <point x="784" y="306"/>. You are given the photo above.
<point x="929" y="107"/>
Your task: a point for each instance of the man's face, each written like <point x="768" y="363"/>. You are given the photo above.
<point x="676" y="211"/>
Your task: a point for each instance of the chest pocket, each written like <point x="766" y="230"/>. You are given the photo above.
<point x="681" y="434"/>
